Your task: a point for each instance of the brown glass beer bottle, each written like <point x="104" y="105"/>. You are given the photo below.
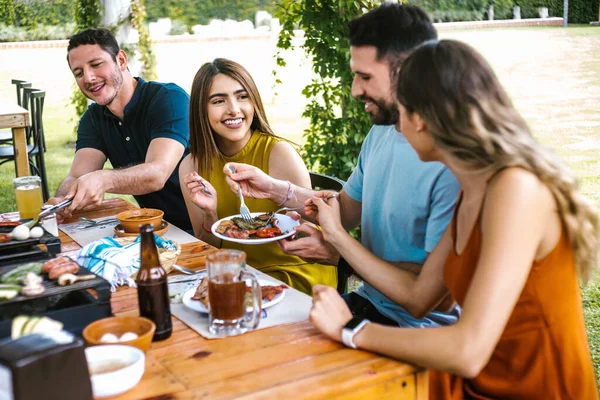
<point x="153" y="292"/>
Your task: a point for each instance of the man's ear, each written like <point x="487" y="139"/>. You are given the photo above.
<point x="122" y="60"/>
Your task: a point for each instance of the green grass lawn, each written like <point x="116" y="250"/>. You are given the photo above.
<point x="552" y="74"/>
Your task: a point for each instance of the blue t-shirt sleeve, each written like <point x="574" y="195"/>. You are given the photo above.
<point x="88" y="135"/>
<point x="169" y="112"/>
<point x="443" y="199"/>
<point x="354" y="184"/>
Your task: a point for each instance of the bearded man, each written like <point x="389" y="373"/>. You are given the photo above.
<point x="140" y="127"/>
<point x="402" y="204"/>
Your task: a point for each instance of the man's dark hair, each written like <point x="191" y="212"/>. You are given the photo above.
<point x="393" y="29"/>
<point x="102" y="37"/>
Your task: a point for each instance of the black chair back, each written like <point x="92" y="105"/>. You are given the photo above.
<point x="33" y="100"/>
<point x="326" y="182"/>
<point x="36" y="97"/>
<point x="20" y="85"/>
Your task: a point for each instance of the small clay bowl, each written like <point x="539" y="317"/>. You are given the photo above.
<point x="141" y="326"/>
<point x="162" y="229"/>
<point x="130" y="220"/>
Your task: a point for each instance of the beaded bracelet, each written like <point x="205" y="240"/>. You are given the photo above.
<point x="289" y="194"/>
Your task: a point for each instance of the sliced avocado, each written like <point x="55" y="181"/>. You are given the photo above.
<point x="28" y="327"/>
<point x="17" y="326"/>
<point x="46" y="324"/>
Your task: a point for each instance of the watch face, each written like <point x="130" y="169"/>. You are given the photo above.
<point x="353" y="323"/>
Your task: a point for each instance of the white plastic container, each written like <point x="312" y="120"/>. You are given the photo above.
<point x="114" y="368"/>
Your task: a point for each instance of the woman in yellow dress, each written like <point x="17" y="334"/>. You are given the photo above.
<point x="228" y="124"/>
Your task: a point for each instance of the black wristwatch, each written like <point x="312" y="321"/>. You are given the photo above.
<point x="353" y="326"/>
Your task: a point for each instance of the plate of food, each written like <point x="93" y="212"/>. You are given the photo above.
<point x="197" y="298"/>
<point x="236" y="229"/>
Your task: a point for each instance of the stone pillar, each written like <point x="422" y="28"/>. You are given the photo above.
<point x="516" y="12"/>
<point x="491" y="13"/>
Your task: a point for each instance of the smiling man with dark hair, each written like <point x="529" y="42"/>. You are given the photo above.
<point x="140" y="127"/>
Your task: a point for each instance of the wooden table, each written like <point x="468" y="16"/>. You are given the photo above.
<point x="14" y="117"/>
<point x="282" y="362"/>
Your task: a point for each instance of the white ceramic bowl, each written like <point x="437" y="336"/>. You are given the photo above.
<point x="124" y="365"/>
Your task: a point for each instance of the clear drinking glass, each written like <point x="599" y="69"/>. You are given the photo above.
<point x="28" y="192"/>
<point x="227" y="277"/>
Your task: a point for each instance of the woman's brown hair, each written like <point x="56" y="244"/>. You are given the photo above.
<point x="203" y="146"/>
<point x="471" y="118"/>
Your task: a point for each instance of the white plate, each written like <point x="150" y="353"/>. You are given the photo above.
<point x="198" y="306"/>
<point x="285" y="223"/>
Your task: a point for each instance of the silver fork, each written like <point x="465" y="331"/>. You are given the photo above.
<point x="283" y="209"/>
<point x="331" y="196"/>
<point x="244" y="211"/>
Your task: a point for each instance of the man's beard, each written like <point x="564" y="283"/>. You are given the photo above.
<point x="116" y="81"/>
<point x="385" y="113"/>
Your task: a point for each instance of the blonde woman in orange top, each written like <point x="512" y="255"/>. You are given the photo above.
<point x="521" y="236"/>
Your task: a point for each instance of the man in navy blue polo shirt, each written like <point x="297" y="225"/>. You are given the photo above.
<point x="140" y="127"/>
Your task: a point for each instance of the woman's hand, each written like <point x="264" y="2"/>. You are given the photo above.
<point x="327" y="213"/>
<point x="201" y="192"/>
<point x="329" y="312"/>
<point x="253" y="181"/>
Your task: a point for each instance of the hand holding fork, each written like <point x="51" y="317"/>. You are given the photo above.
<point x="331" y="196"/>
<point x="244" y="211"/>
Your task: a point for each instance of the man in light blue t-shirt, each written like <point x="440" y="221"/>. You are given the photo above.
<point x="402" y="204"/>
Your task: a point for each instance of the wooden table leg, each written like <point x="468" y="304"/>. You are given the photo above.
<point x="20" y="146"/>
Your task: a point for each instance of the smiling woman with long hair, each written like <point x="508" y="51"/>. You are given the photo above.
<point x="521" y="235"/>
<point x="228" y="124"/>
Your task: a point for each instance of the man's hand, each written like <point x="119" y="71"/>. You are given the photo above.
<point x="329" y="312"/>
<point x="61" y="214"/>
<point x="327" y="213"/>
<point x="87" y="190"/>
<point x="201" y="192"/>
<point x="311" y="246"/>
<point x="254" y="182"/>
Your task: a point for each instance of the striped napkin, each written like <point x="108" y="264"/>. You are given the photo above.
<point x="116" y="262"/>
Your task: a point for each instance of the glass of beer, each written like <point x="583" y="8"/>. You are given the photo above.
<point x="28" y="192"/>
<point x="227" y="276"/>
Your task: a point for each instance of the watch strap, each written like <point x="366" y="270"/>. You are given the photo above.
<point x="348" y="334"/>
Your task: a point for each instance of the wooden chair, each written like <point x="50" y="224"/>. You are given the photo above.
<point x="34" y="98"/>
<point x="326" y="182"/>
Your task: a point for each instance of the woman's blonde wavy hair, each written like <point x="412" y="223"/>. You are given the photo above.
<point x="471" y="118"/>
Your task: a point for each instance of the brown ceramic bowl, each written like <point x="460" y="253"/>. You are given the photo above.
<point x="164" y="227"/>
<point x="143" y="327"/>
<point x="130" y="220"/>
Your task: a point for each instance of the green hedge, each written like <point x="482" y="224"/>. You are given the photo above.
<point x="39" y="32"/>
<point x="193" y="12"/>
<point x="31" y="13"/>
<point x="580" y="11"/>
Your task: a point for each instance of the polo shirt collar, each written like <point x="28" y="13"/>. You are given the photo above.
<point x="137" y="93"/>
